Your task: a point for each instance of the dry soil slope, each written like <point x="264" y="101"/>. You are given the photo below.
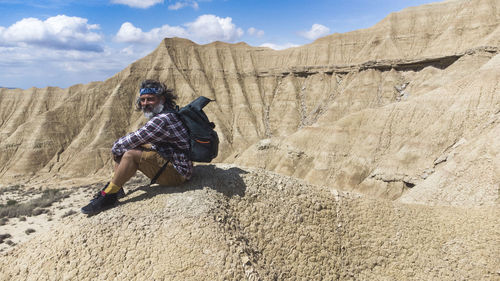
<point x="392" y="148"/>
<point x="384" y="151"/>
<point x="230" y="223"/>
<point x="260" y="93"/>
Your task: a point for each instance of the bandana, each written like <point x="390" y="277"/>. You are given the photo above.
<point x="153" y="91"/>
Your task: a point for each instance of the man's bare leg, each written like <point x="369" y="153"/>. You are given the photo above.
<point x="124" y="170"/>
<point x="127" y="167"/>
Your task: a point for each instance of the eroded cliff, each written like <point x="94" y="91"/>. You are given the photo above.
<point x="407" y="110"/>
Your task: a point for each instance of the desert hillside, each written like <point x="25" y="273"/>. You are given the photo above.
<point x="230" y="223"/>
<point x="368" y="155"/>
<point x="384" y="104"/>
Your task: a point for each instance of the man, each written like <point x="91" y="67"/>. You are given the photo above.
<point x="163" y="138"/>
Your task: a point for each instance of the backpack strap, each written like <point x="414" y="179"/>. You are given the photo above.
<point x="158" y="174"/>
<point x="176" y="112"/>
<point x="160" y="171"/>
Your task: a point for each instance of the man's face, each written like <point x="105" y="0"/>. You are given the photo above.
<point x="151" y="104"/>
<point x="149" y="101"/>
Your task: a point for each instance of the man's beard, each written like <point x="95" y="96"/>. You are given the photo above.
<point x="150" y="112"/>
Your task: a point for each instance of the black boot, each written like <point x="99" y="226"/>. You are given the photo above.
<point x="120" y="193"/>
<point x="100" y="202"/>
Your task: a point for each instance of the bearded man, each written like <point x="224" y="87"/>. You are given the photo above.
<point x="163" y="139"/>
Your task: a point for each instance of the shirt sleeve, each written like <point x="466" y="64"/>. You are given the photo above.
<point x="151" y="132"/>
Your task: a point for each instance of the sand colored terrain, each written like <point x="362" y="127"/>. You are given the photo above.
<point x="265" y="94"/>
<point x="230" y="223"/>
<point x="445" y="137"/>
<point x="368" y="155"/>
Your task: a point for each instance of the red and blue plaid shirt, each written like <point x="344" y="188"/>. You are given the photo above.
<point x="167" y="135"/>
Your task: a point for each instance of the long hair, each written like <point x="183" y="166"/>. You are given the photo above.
<point x="167" y="93"/>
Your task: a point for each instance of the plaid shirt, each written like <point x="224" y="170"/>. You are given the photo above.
<point x="168" y="137"/>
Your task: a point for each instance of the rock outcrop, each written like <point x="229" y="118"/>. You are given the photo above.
<point x="377" y="102"/>
<point x="369" y="155"/>
<point x="230" y="223"/>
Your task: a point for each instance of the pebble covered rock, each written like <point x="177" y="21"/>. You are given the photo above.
<point x="230" y="223"/>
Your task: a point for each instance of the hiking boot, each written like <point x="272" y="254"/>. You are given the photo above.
<point x="100" y="202"/>
<point x="119" y="194"/>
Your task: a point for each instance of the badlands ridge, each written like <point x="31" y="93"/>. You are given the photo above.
<point x="372" y="154"/>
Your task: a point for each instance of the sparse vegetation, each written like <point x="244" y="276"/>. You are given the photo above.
<point x="3" y="221"/>
<point x="11" y="202"/>
<point x="29" y="231"/>
<point x="4" y="236"/>
<point x="38" y="211"/>
<point x="68" y="213"/>
<point x="34" y="207"/>
<point x="10" y="188"/>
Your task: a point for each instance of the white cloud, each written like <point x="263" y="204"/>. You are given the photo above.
<point x="128" y="33"/>
<point x="279" y="46"/>
<point x="182" y="4"/>
<point x="316" y="31"/>
<point x="27" y="66"/>
<point x="255" y="32"/>
<point x="59" y="32"/>
<point x="143" y="4"/>
<point x="127" y="50"/>
<point x="208" y="28"/>
<point x="61" y="51"/>
<point x="204" y="29"/>
<point x="177" y="6"/>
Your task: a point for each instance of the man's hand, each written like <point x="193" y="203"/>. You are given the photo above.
<point x="145" y="147"/>
<point x="117" y="158"/>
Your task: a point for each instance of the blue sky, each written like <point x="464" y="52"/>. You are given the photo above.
<point x="66" y="42"/>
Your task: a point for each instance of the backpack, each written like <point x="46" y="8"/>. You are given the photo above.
<point x="203" y="139"/>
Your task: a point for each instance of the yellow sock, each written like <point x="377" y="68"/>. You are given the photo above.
<point x="112" y="188"/>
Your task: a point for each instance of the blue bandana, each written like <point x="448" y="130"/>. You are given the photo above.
<point x="153" y="91"/>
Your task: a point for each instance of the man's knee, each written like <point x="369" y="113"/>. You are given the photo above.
<point x="132" y="155"/>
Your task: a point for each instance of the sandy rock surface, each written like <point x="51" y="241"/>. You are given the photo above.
<point x="368" y="155"/>
<point x="245" y="224"/>
<point x="382" y="103"/>
<point x="18" y="228"/>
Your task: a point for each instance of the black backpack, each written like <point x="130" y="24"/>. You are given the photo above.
<point x="203" y="139"/>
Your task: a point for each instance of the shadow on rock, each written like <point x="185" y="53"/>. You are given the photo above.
<point x="226" y="181"/>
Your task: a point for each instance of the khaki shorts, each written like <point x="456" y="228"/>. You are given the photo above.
<point x="151" y="162"/>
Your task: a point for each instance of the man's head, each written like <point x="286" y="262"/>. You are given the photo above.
<point x="154" y="97"/>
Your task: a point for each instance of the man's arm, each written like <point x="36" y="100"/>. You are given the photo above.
<point x="151" y="132"/>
